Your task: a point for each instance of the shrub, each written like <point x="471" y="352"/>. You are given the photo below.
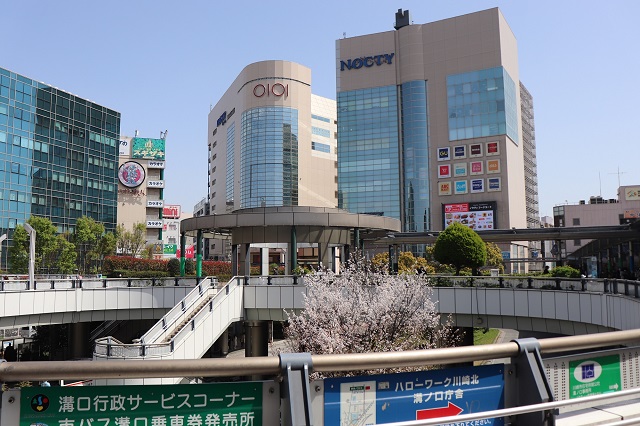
<point x="173" y="267"/>
<point x="565" y="272"/>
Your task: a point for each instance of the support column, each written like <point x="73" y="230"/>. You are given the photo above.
<point x="293" y="251"/>
<point x="324" y="255"/>
<point x="264" y="255"/>
<point x="79" y="336"/>
<point x="246" y="262"/>
<point x="256" y="340"/>
<point x="234" y="260"/>
<point x="183" y="240"/>
<point x="356" y="238"/>
<point x="199" y="254"/>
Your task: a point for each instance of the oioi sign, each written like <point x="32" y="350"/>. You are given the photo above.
<point x="238" y="404"/>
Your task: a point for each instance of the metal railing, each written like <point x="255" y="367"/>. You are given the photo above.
<point x="71" y="283"/>
<point x="229" y="367"/>
<point x="154" y="342"/>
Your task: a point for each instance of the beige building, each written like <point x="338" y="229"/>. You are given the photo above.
<point x="272" y="142"/>
<point x="141" y="185"/>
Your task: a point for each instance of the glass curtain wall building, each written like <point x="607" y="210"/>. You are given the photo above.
<point x="58" y="156"/>
<point x="430" y="129"/>
<point x="272" y="142"/>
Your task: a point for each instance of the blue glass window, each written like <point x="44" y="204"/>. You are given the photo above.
<point x="415" y="152"/>
<point x="368" y="151"/>
<point x="318" y="117"/>
<point x="322" y="147"/>
<point x="482" y="103"/>
<point x="320" y="132"/>
<point x="269" y="157"/>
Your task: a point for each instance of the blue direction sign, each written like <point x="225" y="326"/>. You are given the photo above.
<point x="387" y="398"/>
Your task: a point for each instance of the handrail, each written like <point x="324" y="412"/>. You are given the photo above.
<point x="73" y="283"/>
<point x="179" y="311"/>
<point x="228" y="367"/>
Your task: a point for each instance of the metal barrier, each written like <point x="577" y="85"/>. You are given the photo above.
<point x="68" y="283"/>
<point x="529" y="387"/>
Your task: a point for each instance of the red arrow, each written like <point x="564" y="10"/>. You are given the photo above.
<point x="434" y="413"/>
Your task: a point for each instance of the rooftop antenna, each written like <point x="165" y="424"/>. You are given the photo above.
<point x="136" y="133"/>
<point x="618" y="173"/>
<point x="344" y="34"/>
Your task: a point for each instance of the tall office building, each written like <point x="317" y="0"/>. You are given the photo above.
<point x="430" y="128"/>
<point x="58" y="156"/>
<point x="272" y="142"/>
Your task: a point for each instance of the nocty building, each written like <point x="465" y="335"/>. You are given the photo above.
<point x="58" y="156"/>
<point x="430" y="126"/>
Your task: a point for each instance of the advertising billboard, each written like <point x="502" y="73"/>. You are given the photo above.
<point x="171" y="211"/>
<point x="147" y="148"/>
<point x="477" y="216"/>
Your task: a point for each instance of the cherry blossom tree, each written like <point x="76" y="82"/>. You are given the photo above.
<point x="365" y="310"/>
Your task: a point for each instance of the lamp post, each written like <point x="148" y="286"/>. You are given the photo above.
<point x="32" y="253"/>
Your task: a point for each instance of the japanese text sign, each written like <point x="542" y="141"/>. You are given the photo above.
<point x="219" y="404"/>
<point x="419" y="395"/>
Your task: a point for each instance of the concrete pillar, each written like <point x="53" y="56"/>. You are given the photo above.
<point x="324" y="255"/>
<point x="79" y="340"/>
<point x="224" y="342"/>
<point x="256" y="340"/>
<point x="264" y="254"/>
<point x="293" y="251"/>
<point x="234" y="260"/>
<point x="246" y="261"/>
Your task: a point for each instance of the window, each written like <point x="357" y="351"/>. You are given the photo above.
<point x="576" y="221"/>
<point x="320" y="132"/>
<point x="318" y="117"/>
<point x="577" y="242"/>
<point x="322" y="147"/>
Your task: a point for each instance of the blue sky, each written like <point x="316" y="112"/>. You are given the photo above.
<point x="162" y="64"/>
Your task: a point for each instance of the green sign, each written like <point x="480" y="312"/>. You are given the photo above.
<point x="594" y="376"/>
<point x="151" y="149"/>
<point x="218" y="404"/>
<point x="170" y="248"/>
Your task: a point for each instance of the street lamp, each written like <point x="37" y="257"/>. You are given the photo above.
<point x="32" y="253"/>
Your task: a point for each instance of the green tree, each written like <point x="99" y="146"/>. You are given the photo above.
<point x="86" y="237"/>
<point x="53" y="254"/>
<point x="494" y="257"/>
<point x="131" y="243"/>
<point x="173" y="267"/>
<point x="460" y="246"/>
<point x="407" y="263"/>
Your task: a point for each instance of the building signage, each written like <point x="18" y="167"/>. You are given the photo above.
<point x="154" y="224"/>
<point x="189" y="252"/>
<point x="461" y="187"/>
<point x="131" y="174"/>
<point x="125" y="146"/>
<point x="155" y="203"/>
<point x="150" y="149"/>
<point x="155" y="184"/>
<point x="476" y="167"/>
<point x="475" y="150"/>
<point x="444" y="188"/>
<point x="460" y="151"/>
<point x="594" y="376"/>
<point x="170" y="249"/>
<point x="460" y="169"/>
<point x="477" y="216"/>
<point x="493" y="148"/>
<point x="493" y="166"/>
<point x="477" y="185"/>
<point x="494" y="184"/>
<point x="444" y="154"/>
<point x="239" y="403"/>
<point x="444" y="171"/>
<point x="171" y="211"/>
<point x="421" y="395"/>
<point x="632" y="193"/>
<point x="367" y="61"/>
<point x="222" y="119"/>
<point x="155" y="164"/>
<point x="267" y="90"/>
